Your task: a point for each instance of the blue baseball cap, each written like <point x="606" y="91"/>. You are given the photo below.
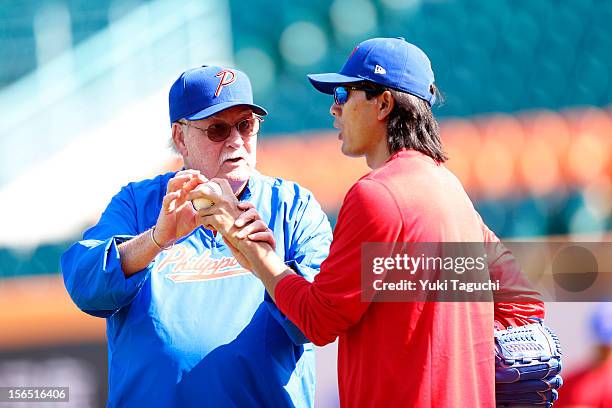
<point x="390" y="62"/>
<point x="601" y="323"/>
<point x="202" y="92"/>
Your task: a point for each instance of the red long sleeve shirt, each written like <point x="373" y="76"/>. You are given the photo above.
<point x="412" y="354"/>
<point x="588" y="388"/>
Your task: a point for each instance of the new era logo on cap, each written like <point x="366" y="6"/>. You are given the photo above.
<point x="379" y="70"/>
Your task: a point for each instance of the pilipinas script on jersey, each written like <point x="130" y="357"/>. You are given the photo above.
<point x="185" y="264"/>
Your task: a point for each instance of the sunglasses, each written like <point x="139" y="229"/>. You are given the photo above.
<point x="218" y="132"/>
<point x="341" y="93"/>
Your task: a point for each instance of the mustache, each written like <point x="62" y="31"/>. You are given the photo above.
<point x="230" y="156"/>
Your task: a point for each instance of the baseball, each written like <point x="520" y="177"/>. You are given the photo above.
<point x="204" y="203"/>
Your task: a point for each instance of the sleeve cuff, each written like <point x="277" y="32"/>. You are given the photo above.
<point x="111" y="266"/>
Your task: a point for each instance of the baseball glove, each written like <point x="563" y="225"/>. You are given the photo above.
<point x="527" y="364"/>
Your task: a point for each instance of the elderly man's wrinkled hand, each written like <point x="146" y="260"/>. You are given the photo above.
<point x="239" y="223"/>
<point x="177" y="217"/>
<point x="224" y="211"/>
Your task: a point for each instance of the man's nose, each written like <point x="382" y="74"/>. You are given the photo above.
<point x="235" y="138"/>
<point x="335" y="109"/>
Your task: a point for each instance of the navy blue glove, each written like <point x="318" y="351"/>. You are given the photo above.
<point x="527" y="364"/>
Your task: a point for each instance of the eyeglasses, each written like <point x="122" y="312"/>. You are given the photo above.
<point x="218" y="132"/>
<point x="341" y="93"/>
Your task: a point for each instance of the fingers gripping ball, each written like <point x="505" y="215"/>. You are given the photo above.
<point x="204" y="203"/>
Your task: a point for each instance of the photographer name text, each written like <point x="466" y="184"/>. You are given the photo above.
<point x="454" y="285"/>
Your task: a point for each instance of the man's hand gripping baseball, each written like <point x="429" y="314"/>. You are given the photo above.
<point x="234" y="220"/>
<point x="245" y="233"/>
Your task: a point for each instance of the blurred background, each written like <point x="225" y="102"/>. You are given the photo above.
<point x="527" y="124"/>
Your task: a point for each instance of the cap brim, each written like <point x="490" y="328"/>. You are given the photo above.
<point x="327" y="82"/>
<point x="212" y="110"/>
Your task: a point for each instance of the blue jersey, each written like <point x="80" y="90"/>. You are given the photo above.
<point x="194" y="328"/>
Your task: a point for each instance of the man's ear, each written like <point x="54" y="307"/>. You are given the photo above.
<point x="385" y="105"/>
<point x="178" y="137"/>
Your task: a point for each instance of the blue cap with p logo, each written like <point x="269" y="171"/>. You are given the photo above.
<point x="202" y="92"/>
<point x="390" y="62"/>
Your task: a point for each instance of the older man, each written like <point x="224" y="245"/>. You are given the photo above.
<point x="412" y="353"/>
<point x="186" y="324"/>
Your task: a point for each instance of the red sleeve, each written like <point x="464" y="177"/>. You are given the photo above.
<point x="333" y="302"/>
<point x="504" y="266"/>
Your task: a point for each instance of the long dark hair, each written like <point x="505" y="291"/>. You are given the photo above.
<point x="411" y="123"/>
